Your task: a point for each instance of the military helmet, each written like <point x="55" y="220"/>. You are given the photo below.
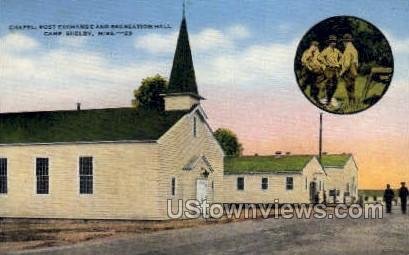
<point x="347" y="38"/>
<point x="332" y="38"/>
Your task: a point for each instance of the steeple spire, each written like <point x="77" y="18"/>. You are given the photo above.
<point x="184" y="6"/>
<point x="182" y="93"/>
<point x="182" y="77"/>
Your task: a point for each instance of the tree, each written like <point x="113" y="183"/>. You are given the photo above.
<point x="229" y="142"/>
<point x="148" y="95"/>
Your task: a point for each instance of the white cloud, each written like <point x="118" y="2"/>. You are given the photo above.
<point x="157" y="43"/>
<point x="72" y="41"/>
<point x="238" y="31"/>
<point x="206" y="40"/>
<point x="210" y="39"/>
<point x="399" y="45"/>
<point x="257" y="65"/>
<point x="57" y="78"/>
<point x="17" y="42"/>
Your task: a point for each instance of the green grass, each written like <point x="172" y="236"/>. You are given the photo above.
<point x="336" y="160"/>
<point x="376" y="90"/>
<point x="375" y="192"/>
<point x="265" y="164"/>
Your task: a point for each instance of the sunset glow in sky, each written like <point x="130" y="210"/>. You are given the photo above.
<point x="243" y="53"/>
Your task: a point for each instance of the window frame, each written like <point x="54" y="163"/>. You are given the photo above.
<point x="194" y="126"/>
<point x="262" y="183"/>
<point x="287" y="183"/>
<point x="173" y="186"/>
<point x="79" y="175"/>
<point x="237" y="183"/>
<point x="35" y="175"/>
<point x="6" y="176"/>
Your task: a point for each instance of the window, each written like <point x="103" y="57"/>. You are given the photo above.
<point x="240" y="183"/>
<point x="319" y="187"/>
<point x="194" y="127"/>
<point x="3" y="175"/>
<point x="306" y="183"/>
<point x="347" y="188"/>
<point x="264" y="183"/>
<point x="289" y="185"/>
<point x="173" y="186"/>
<point x="86" y="169"/>
<point x="42" y="175"/>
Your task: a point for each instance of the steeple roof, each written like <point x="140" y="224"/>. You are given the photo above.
<point x="182" y="77"/>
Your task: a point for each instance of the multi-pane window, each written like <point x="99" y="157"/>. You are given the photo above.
<point x="42" y="168"/>
<point x="86" y="169"/>
<point x="289" y="184"/>
<point x="194" y="127"/>
<point x="264" y="183"/>
<point x="173" y="189"/>
<point x="3" y="175"/>
<point x="240" y="183"/>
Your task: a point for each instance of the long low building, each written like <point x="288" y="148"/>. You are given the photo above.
<point x="264" y="179"/>
<point x="290" y="179"/>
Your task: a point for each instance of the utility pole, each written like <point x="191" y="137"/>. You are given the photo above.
<point x="320" y="140"/>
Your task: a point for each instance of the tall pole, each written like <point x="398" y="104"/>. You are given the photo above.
<point x="320" y="139"/>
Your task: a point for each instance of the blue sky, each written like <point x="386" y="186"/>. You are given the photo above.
<point x="268" y="21"/>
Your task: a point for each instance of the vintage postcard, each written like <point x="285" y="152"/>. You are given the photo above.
<point x="204" y="127"/>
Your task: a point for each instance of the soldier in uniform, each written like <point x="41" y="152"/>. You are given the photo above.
<point x="349" y="66"/>
<point x="331" y="57"/>
<point x="388" y="196"/>
<point x="312" y="71"/>
<point x="403" y="194"/>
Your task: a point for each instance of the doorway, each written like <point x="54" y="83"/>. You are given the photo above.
<point x="201" y="190"/>
<point x="313" y="192"/>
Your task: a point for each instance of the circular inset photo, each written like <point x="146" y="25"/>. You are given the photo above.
<point x="344" y="65"/>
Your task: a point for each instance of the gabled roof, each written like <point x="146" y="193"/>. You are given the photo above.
<point x="182" y="77"/>
<point x="335" y="160"/>
<point x="96" y="125"/>
<point x="266" y="164"/>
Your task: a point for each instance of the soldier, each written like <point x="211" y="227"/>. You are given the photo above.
<point x="349" y="64"/>
<point x="388" y="196"/>
<point x="403" y="194"/>
<point x="331" y="57"/>
<point x="312" y="72"/>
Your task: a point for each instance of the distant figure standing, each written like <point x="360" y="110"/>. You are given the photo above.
<point x="349" y="66"/>
<point x="403" y="194"/>
<point x="331" y="57"/>
<point x="388" y="196"/>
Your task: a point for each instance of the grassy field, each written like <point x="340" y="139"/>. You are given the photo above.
<point x="375" y="91"/>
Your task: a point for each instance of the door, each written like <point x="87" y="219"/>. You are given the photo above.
<point x="313" y="192"/>
<point x="201" y="190"/>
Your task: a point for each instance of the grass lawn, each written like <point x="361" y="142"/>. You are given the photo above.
<point x="376" y="89"/>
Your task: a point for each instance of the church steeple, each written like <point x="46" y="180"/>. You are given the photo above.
<point x="182" y="78"/>
<point x="182" y="82"/>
